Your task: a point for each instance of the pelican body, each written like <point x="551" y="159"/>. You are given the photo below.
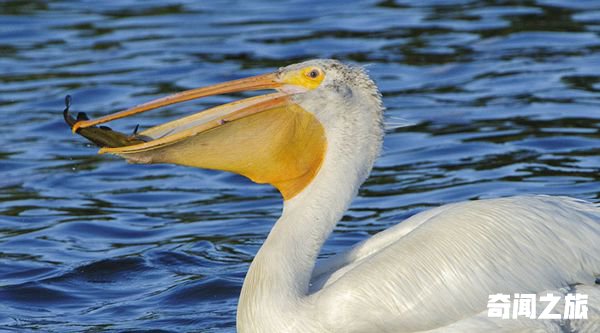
<point x="316" y="139"/>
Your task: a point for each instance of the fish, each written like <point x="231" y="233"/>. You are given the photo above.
<point x="102" y="136"/>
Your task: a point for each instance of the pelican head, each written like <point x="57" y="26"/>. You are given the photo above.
<point x="280" y="138"/>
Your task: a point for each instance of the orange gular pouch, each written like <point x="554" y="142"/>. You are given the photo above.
<point x="267" y="138"/>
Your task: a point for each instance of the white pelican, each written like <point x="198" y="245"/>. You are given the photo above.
<point x="315" y="139"/>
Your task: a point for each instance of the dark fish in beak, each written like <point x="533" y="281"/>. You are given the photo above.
<point x="101" y="136"/>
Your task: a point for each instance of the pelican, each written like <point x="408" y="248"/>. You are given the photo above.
<point x="315" y="138"/>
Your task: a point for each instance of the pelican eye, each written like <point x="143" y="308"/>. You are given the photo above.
<point x="314" y="73"/>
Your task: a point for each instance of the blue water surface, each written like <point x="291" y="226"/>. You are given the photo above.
<point x="500" y="98"/>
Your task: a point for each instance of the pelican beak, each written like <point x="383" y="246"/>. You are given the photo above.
<point x="268" y="138"/>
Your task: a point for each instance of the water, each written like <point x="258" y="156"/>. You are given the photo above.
<point x="502" y="98"/>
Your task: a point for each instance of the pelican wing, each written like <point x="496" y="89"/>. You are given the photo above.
<point x="452" y="258"/>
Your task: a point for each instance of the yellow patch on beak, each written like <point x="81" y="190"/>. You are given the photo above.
<point x="308" y="78"/>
